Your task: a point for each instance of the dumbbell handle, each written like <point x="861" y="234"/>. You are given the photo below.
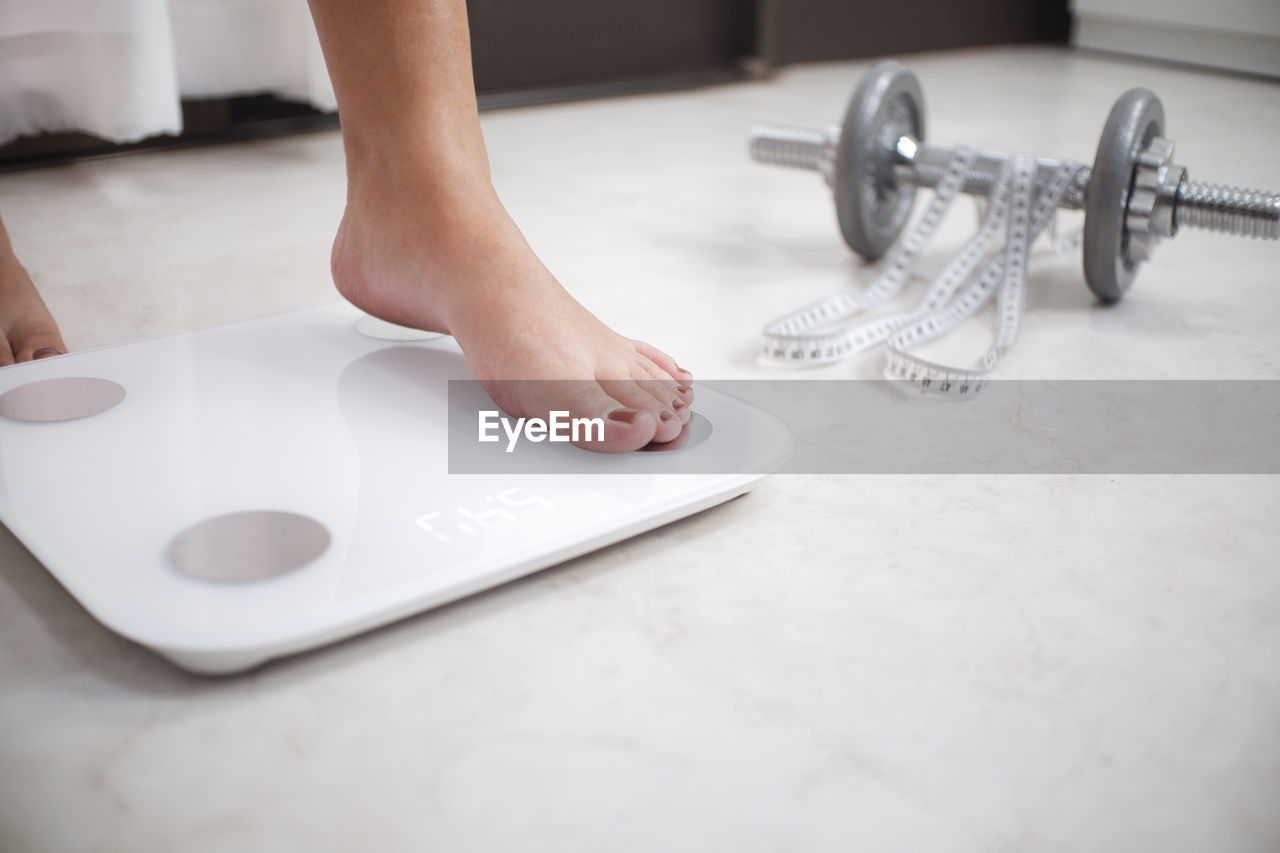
<point x="924" y="165"/>
<point x="1211" y="207"/>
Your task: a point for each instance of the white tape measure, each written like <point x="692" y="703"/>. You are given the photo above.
<point x="972" y="276"/>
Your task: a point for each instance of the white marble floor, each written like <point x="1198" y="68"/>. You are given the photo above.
<point x="831" y="662"/>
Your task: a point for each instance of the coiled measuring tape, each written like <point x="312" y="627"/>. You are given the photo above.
<point x="966" y="283"/>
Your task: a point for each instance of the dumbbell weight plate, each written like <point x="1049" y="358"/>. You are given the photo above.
<point x="1136" y="118"/>
<point x="871" y="205"/>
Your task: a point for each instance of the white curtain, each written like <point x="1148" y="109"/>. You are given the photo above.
<point x="118" y="68"/>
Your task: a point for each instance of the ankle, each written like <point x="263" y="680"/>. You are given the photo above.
<point x="412" y="169"/>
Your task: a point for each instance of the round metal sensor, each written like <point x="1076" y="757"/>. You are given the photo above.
<point x="65" y="398"/>
<point x="248" y="546"/>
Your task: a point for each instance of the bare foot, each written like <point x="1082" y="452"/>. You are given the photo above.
<point x="453" y="261"/>
<point x="27" y="330"/>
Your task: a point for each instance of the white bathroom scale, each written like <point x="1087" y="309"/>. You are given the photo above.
<point x="257" y="489"/>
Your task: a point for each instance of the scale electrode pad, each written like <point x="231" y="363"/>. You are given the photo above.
<point x="239" y="493"/>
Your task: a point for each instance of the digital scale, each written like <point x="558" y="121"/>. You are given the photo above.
<point x="257" y="489"/>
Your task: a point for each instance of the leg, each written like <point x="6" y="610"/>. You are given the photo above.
<point x="425" y="242"/>
<point x="27" y="330"/>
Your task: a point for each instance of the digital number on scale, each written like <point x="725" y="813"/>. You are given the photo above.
<point x="499" y="510"/>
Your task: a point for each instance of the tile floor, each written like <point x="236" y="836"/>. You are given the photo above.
<point x="947" y="663"/>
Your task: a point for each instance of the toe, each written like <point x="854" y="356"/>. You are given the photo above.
<point x="665" y="362"/>
<point x="626" y="427"/>
<point x="634" y="394"/>
<point x="38" y="345"/>
<point x="661" y="365"/>
<point x="30" y="332"/>
<point x="671" y="395"/>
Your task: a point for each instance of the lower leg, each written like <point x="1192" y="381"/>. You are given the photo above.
<point x="426" y="242"/>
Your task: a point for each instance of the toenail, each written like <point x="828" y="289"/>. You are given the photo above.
<point x="682" y="389"/>
<point x="684" y="372"/>
<point x="626" y="416"/>
<point x="46" y="352"/>
<point x="677" y="405"/>
<point x="666" y="416"/>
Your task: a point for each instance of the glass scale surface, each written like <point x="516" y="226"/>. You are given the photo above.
<point x="302" y="417"/>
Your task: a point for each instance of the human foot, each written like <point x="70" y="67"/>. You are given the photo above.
<point x="456" y="263"/>
<point x="27" y="330"/>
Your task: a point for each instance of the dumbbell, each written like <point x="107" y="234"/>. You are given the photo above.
<point x="1134" y="195"/>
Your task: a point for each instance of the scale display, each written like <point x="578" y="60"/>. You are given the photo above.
<point x="240" y="493"/>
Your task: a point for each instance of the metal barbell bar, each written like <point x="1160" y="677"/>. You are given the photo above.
<point x="1133" y="196"/>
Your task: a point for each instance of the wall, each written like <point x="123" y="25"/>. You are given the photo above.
<point x="535" y="50"/>
<point x="1236" y="35"/>
<point x="813" y="30"/>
